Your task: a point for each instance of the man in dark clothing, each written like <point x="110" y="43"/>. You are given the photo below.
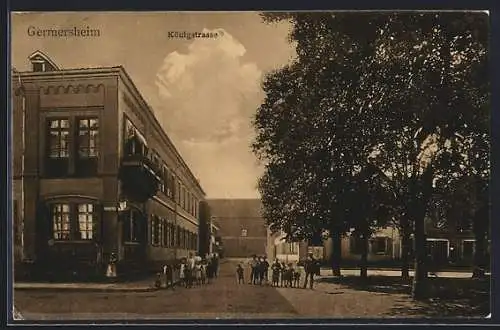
<point x="310" y="269"/>
<point x="254" y="269"/>
<point x="216" y="265"/>
<point x="265" y="270"/>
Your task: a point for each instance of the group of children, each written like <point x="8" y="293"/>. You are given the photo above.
<point x="284" y="275"/>
<point x="193" y="270"/>
<point x="198" y="271"/>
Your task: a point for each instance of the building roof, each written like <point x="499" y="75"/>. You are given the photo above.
<point x="235" y="208"/>
<point x="39" y="55"/>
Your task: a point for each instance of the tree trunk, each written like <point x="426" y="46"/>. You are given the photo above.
<point x="418" y="211"/>
<point x="336" y="251"/>
<point x="419" y="290"/>
<point x="363" y="269"/>
<point x="480" y="228"/>
<point x="405" y="250"/>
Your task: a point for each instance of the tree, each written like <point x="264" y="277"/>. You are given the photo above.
<point x="402" y="86"/>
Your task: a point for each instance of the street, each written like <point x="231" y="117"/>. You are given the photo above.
<point x="225" y="299"/>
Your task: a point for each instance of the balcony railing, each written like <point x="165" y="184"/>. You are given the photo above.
<point x="139" y="174"/>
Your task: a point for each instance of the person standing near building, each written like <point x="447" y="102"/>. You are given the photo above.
<point x="265" y="270"/>
<point x="310" y="269"/>
<point x="239" y="274"/>
<point x="276" y="268"/>
<point x="190" y="269"/>
<point x="216" y="264"/>
<point x="210" y="269"/>
<point x="182" y="274"/>
<point x="260" y="270"/>
<point x="253" y="269"/>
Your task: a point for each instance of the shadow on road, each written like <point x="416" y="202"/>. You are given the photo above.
<point x="449" y="297"/>
<point x="379" y="284"/>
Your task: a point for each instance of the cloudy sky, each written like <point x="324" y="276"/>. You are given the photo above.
<point x="204" y="91"/>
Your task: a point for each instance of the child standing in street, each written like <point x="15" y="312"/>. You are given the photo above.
<point x="197" y="268"/>
<point x="182" y="274"/>
<point x="239" y="274"/>
<point x="276" y="267"/>
<point x="203" y="272"/>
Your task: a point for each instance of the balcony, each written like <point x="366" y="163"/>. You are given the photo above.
<point x="139" y="175"/>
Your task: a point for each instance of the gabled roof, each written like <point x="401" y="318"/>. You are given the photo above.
<point x="38" y="55"/>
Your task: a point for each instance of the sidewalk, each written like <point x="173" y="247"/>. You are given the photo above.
<point x="325" y="272"/>
<point x="145" y="285"/>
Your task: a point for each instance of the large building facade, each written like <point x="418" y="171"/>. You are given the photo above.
<point x="94" y="174"/>
<point x="241" y="227"/>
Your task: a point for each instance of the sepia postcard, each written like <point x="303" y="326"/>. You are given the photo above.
<point x="321" y="165"/>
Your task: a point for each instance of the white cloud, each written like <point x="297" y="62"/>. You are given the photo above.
<point x="208" y="98"/>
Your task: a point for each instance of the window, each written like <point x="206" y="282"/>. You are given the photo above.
<point x="87" y="146"/>
<point x="61" y="221"/>
<point x="155" y="158"/>
<point x="134" y="142"/>
<point x="468" y="249"/>
<point x="155" y="230"/>
<point x="38" y="66"/>
<point x="178" y="193"/>
<point x="164" y="180"/>
<point x="172" y="235"/>
<point x="88" y="137"/>
<point x="73" y="221"/>
<point x="356" y="245"/>
<point x="166" y="233"/>
<point x="183" y="238"/>
<point x="161" y="227"/>
<point x="244" y="233"/>
<point x="172" y="185"/>
<point x="178" y="236"/>
<point x="183" y="198"/>
<point x="58" y="147"/>
<point x="85" y="221"/>
<point x="379" y="245"/>
<point x="132" y="226"/>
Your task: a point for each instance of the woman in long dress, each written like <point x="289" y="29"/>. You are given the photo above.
<point x="182" y="274"/>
